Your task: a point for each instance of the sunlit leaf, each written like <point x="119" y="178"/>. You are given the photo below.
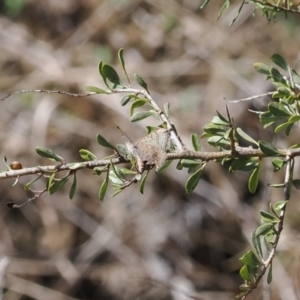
<point x="137" y="103"/>
<point x="103" y="188"/>
<point x="196" y="142"/>
<point x="87" y="155"/>
<point x="262" y="68"/>
<point x="253" y="180"/>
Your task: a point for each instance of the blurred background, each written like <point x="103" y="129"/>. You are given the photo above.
<point x="164" y="244"/>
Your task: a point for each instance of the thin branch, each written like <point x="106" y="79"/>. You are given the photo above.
<point x="286" y="192"/>
<point x="251" y="98"/>
<point x="36" y="196"/>
<point x="50" y="92"/>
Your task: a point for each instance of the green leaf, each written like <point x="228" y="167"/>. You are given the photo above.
<point x="244" y="164"/>
<point x="267" y="118"/>
<point x="137" y="103"/>
<point x="267" y="217"/>
<point x="250" y="259"/>
<point x="264" y="229"/>
<point x="143" y="181"/>
<point x="257" y="244"/>
<point x="222" y="118"/>
<point x="279" y="61"/>
<point x="87" y="155"/>
<point x="141" y="82"/>
<point x="48" y="153"/>
<point x="110" y="73"/>
<point x="269" y="277"/>
<point x="294" y="118"/>
<point x="15" y="181"/>
<point x="196" y="142"/>
<point x="218" y="121"/>
<point x="296" y="77"/>
<point x="253" y="180"/>
<point x="73" y="186"/>
<point x="49" y="181"/>
<point x="29" y="184"/>
<point x="97" y="90"/>
<point x="262" y="68"/>
<point x="103" y="188"/>
<point x="167" y="109"/>
<point x="179" y="165"/>
<point x="204" y="4"/>
<point x="268" y="149"/>
<point x="140" y="116"/>
<point x="117" y="192"/>
<point x="225" y="5"/>
<point x="278" y="163"/>
<point x="102" y="74"/>
<point x="244" y="273"/>
<point x="282" y="126"/>
<point x="280" y="205"/>
<point x="276" y="76"/>
<point x="75" y="166"/>
<point x="193" y="180"/>
<point x="246" y="137"/>
<point x="103" y="142"/>
<point x="5" y="162"/>
<point x="187" y="163"/>
<point x="121" y="59"/>
<point x="58" y="184"/>
<point x="276" y="185"/>
<point x="126" y="99"/>
<point x="278" y="109"/>
<point x="296" y="183"/>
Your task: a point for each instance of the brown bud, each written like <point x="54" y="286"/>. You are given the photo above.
<point x="15" y="165"/>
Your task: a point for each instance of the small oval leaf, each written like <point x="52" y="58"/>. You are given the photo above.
<point x="58" y="184"/>
<point x="87" y="155"/>
<point x="103" y="142"/>
<point x="48" y="153"/>
<point x="143" y="181"/>
<point x="253" y="180"/>
<point x="141" y="82"/>
<point x="103" y="188"/>
<point x="196" y="142"/>
<point x="137" y="103"/>
<point x="193" y="180"/>
<point x="246" y="137"/>
<point x="111" y="74"/>
<point x="141" y="115"/>
<point x="262" y="68"/>
<point x="73" y="187"/>
<point x="268" y="149"/>
<point x="279" y="61"/>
